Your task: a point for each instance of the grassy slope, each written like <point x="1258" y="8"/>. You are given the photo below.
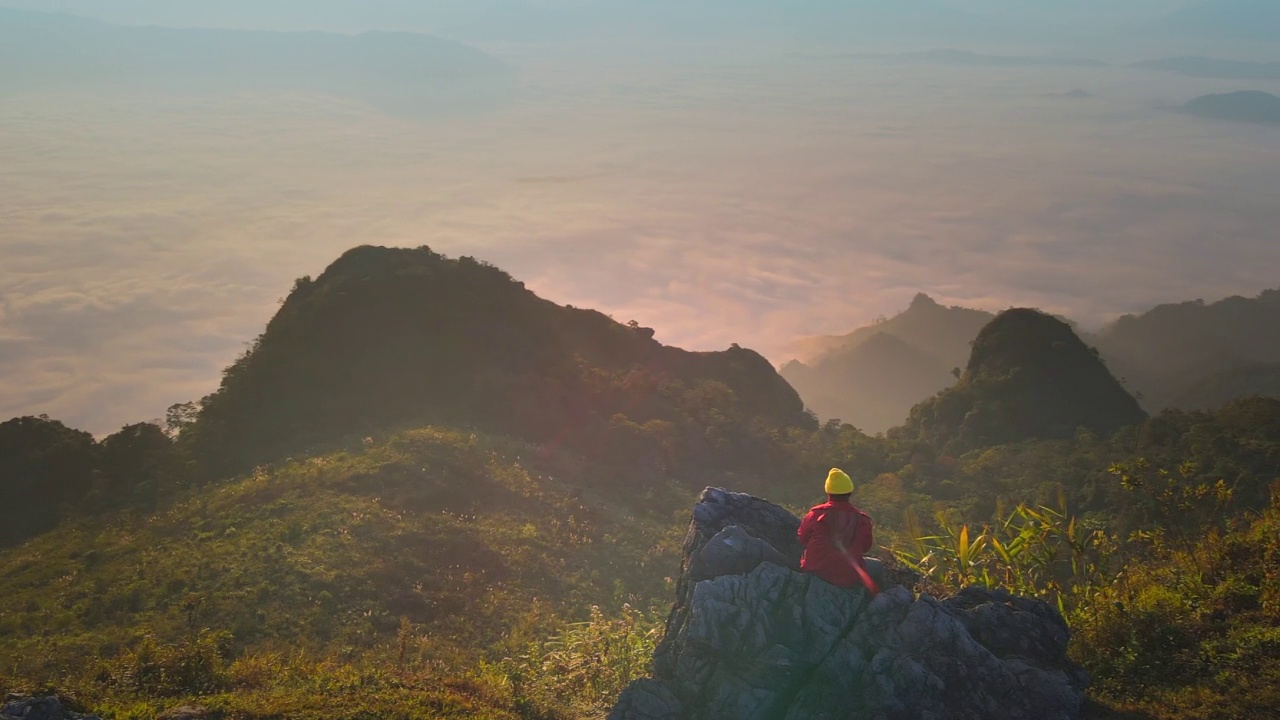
<point x="391" y="580"/>
<point x="428" y="554"/>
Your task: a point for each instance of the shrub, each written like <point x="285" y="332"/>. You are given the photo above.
<point x="193" y="667"/>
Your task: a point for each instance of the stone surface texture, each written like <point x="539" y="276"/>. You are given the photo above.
<point x="752" y="638"/>
<point x="21" y="707"/>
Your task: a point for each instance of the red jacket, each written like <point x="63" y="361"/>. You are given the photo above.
<point x="835" y="535"/>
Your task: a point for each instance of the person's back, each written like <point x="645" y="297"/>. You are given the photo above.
<point x="835" y="535"/>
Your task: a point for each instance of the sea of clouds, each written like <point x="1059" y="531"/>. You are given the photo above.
<point x="147" y="238"/>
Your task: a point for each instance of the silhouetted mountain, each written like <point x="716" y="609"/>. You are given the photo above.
<point x="943" y="331"/>
<point x="1226" y="19"/>
<point x="1029" y="377"/>
<point x="1168" y="352"/>
<point x="401" y="71"/>
<point x="870" y="385"/>
<point x="1216" y="390"/>
<point x="391" y="336"/>
<point x="1251" y="106"/>
<point x="950" y="56"/>
<point x="1214" y="68"/>
<point x="873" y="385"/>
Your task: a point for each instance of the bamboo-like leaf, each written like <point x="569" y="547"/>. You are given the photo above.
<point x="1002" y="551"/>
<point x="914" y="531"/>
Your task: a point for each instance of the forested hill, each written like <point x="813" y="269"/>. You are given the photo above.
<point x="388" y="337"/>
<point x="1177" y="354"/>
<point x="1029" y="377"/>
<point x="1190" y="355"/>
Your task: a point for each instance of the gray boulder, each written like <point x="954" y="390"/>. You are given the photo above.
<point x="752" y="638"/>
<point x="21" y="707"/>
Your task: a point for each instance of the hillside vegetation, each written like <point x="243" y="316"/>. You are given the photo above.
<point x="386" y="571"/>
<point x="425" y="492"/>
<point x="1029" y="376"/>
<point x="387" y="336"/>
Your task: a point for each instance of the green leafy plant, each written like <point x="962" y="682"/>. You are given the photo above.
<point x="1031" y="551"/>
<point x="1181" y="503"/>
<point x="589" y="661"/>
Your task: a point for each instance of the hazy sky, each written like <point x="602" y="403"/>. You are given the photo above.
<point x="145" y="238"/>
<point x="482" y="17"/>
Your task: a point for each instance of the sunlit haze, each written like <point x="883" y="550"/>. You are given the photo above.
<point x="723" y="172"/>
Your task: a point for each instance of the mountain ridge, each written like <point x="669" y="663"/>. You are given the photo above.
<point x="1206" y="67"/>
<point x="1248" y="106"/>
<point x="875" y="387"/>
<point x="394" y="335"/>
<point x="1163" y="355"/>
<point x="400" y="72"/>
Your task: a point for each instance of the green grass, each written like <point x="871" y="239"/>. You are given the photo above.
<point x="377" y="580"/>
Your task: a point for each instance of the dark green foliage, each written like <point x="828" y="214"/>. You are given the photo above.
<point x="1029" y="377"/>
<point x="387" y="337"/>
<point x="1239" y="443"/>
<point x="43" y="466"/>
<point x="51" y="472"/>
<point x="141" y="464"/>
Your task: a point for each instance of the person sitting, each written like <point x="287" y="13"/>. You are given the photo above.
<point x="835" y="535"/>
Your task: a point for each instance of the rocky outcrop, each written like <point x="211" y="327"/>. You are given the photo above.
<point x="751" y="638"/>
<point x="21" y="707"/>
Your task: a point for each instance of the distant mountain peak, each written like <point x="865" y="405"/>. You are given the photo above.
<point x="923" y="301"/>
<point x="387" y="336"/>
<point x="1252" y="106"/>
<point x="1029" y="376"/>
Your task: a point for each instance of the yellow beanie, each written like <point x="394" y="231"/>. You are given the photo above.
<point x="839" y="482"/>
